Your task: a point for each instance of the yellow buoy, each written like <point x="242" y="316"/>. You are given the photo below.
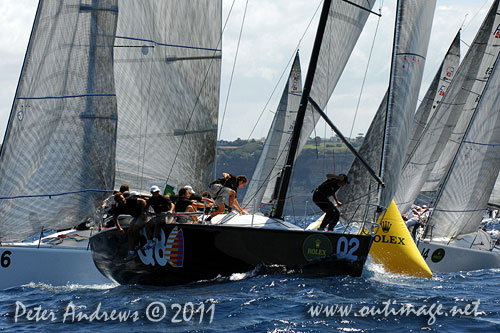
<point x="394" y="248"/>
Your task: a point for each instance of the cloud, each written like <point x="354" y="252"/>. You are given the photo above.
<point x="271" y="33"/>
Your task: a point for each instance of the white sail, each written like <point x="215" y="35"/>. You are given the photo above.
<point x="432" y="140"/>
<point x="494" y="200"/>
<point x="272" y="159"/>
<point x="435" y="93"/>
<point x="167" y="69"/>
<point x="61" y="131"/>
<point x="473" y="86"/>
<point x="346" y="20"/>
<point x="389" y="131"/>
<point x="462" y="202"/>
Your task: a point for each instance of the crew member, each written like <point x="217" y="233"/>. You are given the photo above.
<point x="320" y="198"/>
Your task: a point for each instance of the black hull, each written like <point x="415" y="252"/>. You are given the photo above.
<point x="204" y="252"/>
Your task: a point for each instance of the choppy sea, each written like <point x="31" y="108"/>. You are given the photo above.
<point x="280" y="302"/>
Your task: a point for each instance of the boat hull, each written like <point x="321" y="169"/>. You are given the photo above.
<point x="57" y="266"/>
<point x="189" y="253"/>
<point x="442" y="258"/>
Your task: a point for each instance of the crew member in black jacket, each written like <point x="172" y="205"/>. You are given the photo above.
<point x="320" y="198"/>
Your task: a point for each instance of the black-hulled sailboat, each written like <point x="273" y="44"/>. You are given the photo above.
<point x="240" y="243"/>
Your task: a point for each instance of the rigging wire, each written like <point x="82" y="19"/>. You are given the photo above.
<point x="366" y="70"/>
<point x="232" y="71"/>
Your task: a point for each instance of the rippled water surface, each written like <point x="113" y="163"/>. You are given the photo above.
<point x="278" y="302"/>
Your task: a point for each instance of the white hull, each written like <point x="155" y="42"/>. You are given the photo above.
<point x="442" y="258"/>
<point x="69" y="262"/>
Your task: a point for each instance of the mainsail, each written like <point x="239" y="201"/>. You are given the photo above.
<point x="61" y="131"/>
<point x="469" y="96"/>
<point x="464" y="197"/>
<point x="272" y="159"/>
<point x="167" y="73"/>
<point x="385" y="144"/>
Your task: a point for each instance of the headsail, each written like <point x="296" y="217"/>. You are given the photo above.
<point x="473" y="86"/>
<point x="468" y="185"/>
<point x="167" y="68"/>
<point x="469" y="182"/>
<point x="430" y="144"/>
<point x="390" y="128"/>
<point x="435" y="93"/>
<point x="272" y="159"/>
<point x="61" y="131"/>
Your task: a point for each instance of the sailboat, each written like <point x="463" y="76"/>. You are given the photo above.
<point x="93" y="110"/>
<point x="241" y="243"/>
<point x="57" y="154"/>
<point x="453" y="240"/>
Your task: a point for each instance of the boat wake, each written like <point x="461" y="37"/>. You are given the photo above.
<point x="376" y="272"/>
<point x="69" y="287"/>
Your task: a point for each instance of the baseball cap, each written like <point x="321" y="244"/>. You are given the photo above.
<point x="190" y="189"/>
<point x="154" y="189"/>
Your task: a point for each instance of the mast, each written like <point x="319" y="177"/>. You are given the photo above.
<point x="388" y="106"/>
<point x="287" y="170"/>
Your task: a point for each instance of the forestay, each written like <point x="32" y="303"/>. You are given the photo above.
<point x="61" y="131"/>
<point x="167" y="69"/>
<point x="387" y="138"/>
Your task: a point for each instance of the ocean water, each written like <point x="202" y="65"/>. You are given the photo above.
<point x="279" y="302"/>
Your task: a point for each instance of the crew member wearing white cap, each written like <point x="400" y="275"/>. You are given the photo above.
<point x="162" y="205"/>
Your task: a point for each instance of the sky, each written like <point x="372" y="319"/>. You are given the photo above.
<point x="253" y="74"/>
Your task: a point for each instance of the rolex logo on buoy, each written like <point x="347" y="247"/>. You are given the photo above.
<point x="386" y="226"/>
